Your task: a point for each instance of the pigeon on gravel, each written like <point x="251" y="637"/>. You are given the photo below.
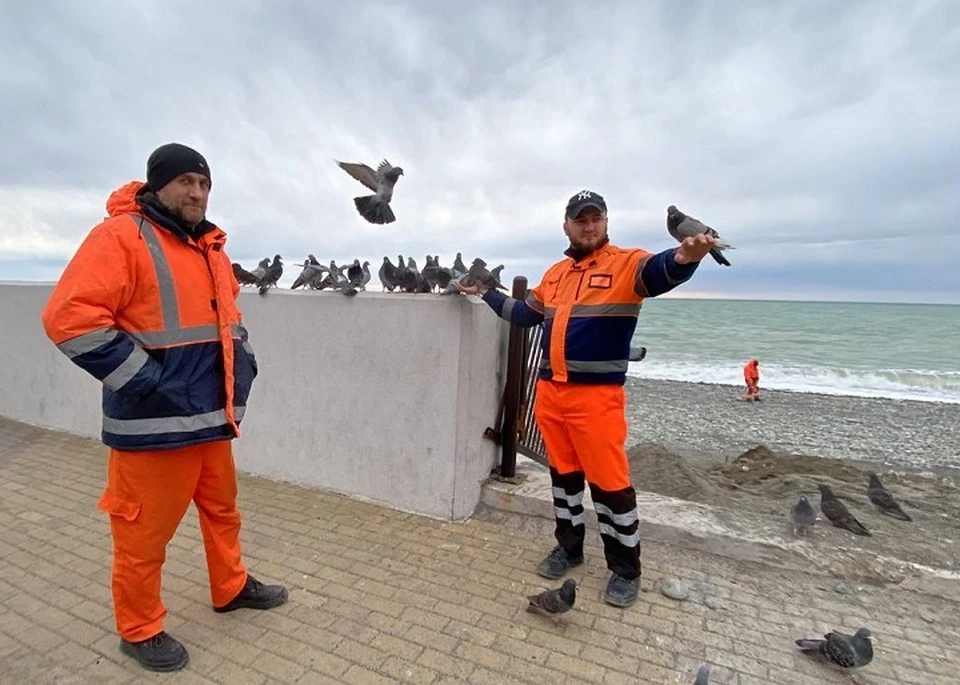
<point x="375" y="208"/>
<point x="802" y="515"/>
<point x="884" y="501"/>
<point x="703" y="675"/>
<point x="552" y="603"/>
<point x="845" y="651"/>
<point x="682" y="226"/>
<point x="837" y="512"/>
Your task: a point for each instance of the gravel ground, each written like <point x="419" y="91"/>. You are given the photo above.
<point x="707" y="424"/>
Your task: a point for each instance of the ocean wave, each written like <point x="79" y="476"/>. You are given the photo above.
<point x="904" y="384"/>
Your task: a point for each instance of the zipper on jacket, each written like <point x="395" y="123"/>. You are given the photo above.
<point x="579" y="284"/>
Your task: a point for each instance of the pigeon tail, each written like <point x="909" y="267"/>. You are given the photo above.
<point x="811" y="646"/>
<point x="374" y="209"/>
<point x="718" y="256"/>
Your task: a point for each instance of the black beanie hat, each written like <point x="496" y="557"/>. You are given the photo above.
<point x="170" y="160"/>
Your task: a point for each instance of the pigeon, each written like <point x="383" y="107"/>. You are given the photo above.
<point x="703" y="675"/>
<point x="802" y="515"/>
<point x="273" y="274"/>
<point x="837" y="512"/>
<point x="459" y="268"/>
<point x="375" y="208"/>
<point x="884" y="501"/>
<point x="261" y="269"/>
<point x="388" y="275"/>
<point x="552" y="603"/>
<point x="312" y="274"/>
<point x="845" y="651"/>
<point x="365" y="276"/>
<point x="683" y="226"/>
<point x="243" y="276"/>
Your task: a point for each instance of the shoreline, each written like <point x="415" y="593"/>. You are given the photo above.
<point x="708" y="424"/>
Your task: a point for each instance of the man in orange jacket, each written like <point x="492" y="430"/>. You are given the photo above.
<point x="147" y="306"/>
<point x="588" y="304"/>
<point x="751" y="376"/>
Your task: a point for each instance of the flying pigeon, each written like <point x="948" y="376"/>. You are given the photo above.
<point x="837" y="512"/>
<point x="884" y="501"/>
<point x="703" y="675"/>
<point x="845" y="651"/>
<point x="802" y="515"/>
<point x="552" y="603"/>
<point x="683" y="226"/>
<point x="375" y="208"/>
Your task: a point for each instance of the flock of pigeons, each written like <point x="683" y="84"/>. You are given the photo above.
<point x="404" y="276"/>
<point x="803" y="515"/>
<point x="837" y="648"/>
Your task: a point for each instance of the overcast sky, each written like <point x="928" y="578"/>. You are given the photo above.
<point x="819" y="138"/>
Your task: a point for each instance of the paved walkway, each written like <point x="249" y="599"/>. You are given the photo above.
<point x="379" y="596"/>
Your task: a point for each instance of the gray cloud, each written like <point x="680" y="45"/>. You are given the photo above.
<point x="817" y="137"/>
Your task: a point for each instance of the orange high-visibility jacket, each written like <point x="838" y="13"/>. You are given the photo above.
<point x="152" y="314"/>
<point x="751" y="374"/>
<point x="589" y="309"/>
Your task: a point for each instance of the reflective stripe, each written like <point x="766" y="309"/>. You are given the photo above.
<point x="121" y="375"/>
<point x="573" y="500"/>
<point x="179" y="336"/>
<point x="638" y="286"/>
<point x="583" y="310"/>
<point x="604" y="366"/>
<point x="507" y="309"/>
<point x="247" y="347"/>
<point x="534" y="304"/>
<point x="168" y="294"/>
<point x="87" y="342"/>
<point x="575" y="519"/>
<point x="169" y="424"/>
<point x="544" y="363"/>
<point x="631" y="540"/>
<point x="626" y="519"/>
<point x="549" y="312"/>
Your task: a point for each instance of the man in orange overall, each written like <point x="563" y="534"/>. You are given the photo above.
<point x="147" y="306"/>
<point x="751" y="376"/>
<point x="588" y="304"/>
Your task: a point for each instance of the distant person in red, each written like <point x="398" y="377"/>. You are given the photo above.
<point x="751" y="376"/>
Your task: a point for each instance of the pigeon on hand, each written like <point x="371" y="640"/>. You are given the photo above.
<point x="682" y="226"/>
<point x="552" y="603"/>
<point x="375" y="208"/>
<point x="845" y="651"/>
<point x="837" y="512"/>
<point x="703" y="675"/>
<point x="802" y="515"/>
<point x="884" y="501"/>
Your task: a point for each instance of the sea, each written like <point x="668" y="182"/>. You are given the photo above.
<point x="899" y="351"/>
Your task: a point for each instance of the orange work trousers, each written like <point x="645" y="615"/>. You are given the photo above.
<point x="584" y="429"/>
<point x="147" y="495"/>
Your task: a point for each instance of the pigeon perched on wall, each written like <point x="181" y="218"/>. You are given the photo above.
<point x="802" y="515"/>
<point x="552" y="603"/>
<point x="883" y="500"/>
<point x="273" y="274"/>
<point x="375" y="208"/>
<point x="845" y="651"/>
<point x="682" y="226"/>
<point x="837" y="512"/>
<point x="243" y="276"/>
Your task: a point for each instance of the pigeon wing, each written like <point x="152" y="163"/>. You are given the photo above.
<point x="362" y="173"/>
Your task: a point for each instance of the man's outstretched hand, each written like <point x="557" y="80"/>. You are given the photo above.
<point x="694" y="248"/>
<point x="469" y="289"/>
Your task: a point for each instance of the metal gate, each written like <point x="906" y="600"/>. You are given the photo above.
<point x="516" y="429"/>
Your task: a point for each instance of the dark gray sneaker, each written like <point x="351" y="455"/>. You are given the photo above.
<point x="620" y="591"/>
<point x="557" y="563"/>
<point x="161" y="652"/>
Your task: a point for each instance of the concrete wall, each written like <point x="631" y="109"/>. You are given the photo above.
<point x="382" y="396"/>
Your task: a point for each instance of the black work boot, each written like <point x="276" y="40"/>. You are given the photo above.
<point x="556" y="563"/>
<point x="256" y="595"/>
<point x="621" y="592"/>
<point x="161" y="652"/>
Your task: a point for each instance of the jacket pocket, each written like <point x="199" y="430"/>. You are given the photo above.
<point x="113" y="504"/>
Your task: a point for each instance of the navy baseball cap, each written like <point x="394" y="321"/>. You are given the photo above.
<point x="584" y="199"/>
